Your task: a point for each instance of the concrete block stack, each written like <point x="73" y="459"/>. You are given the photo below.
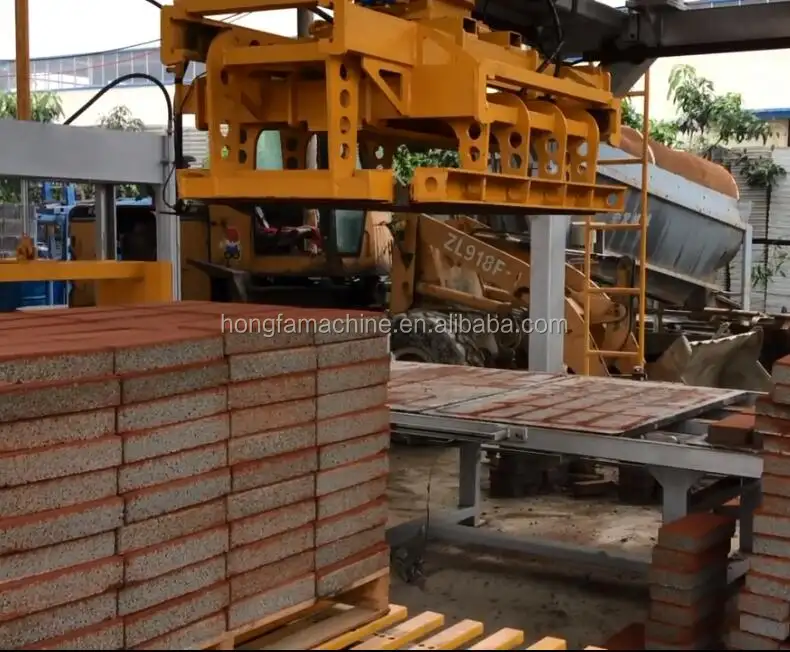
<point x="764" y="602"/>
<point x="167" y="477"/>
<point x="688" y="583"/>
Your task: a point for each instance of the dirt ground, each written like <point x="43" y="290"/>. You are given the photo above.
<point x="582" y="605"/>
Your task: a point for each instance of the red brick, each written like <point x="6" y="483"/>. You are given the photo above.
<point x="674" y="634"/>
<point x="161" y="499"/>
<point x="152" y="385"/>
<point x="776" y="505"/>
<point x="773" y="566"/>
<point x="271" y="443"/>
<point x="35" y="400"/>
<point x="268" y="577"/>
<point x="268" y="524"/>
<point x="103" y="636"/>
<point x="353" y="376"/>
<point x="59" y="461"/>
<point x="337" y="551"/>
<point x="739" y="640"/>
<point x="168" y="468"/>
<point x="684" y="562"/>
<point x="771" y="525"/>
<point x="273" y="416"/>
<point x="270" y="550"/>
<point x="300" y="592"/>
<point x="58" y="493"/>
<point x="52" y="558"/>
<point x="174" y="409"/>
<point x="779" y="631"/>
<point x="343" y="575"/>
<point x="348" y="475"/>
<point x="23" y="597"/>
<point x="775" y="485"/>
<point x="344" y="353"/>
<point x="776" y="465"/>
<point x="355" y="424"/>
<point x="352" y="450"/>
<point x="189" y="637"/>
<point x="734" y="430"/>
<point x="252" y="366"/>
<point x="174" y="614"/>
<point x="671" y="614"/>
<point x="696" y="532"/>
<point x="138" y="596"/>
<point x="61" y="429"/>
<point x="351" y="522"/>
<point x="332" y="504"/>
<point x="22" y="533"/>
<point x="147" y="444"/>
<point x="768" y="586"/>
<point x="630" y="638"/>
<point x="165" y="557"/>
<point x="353" y="400"/>
<point x="264" y="499"/>
<point x="765" y="607"/>
<point x="271" y="390"/>
<point x="171" y="526"/>
<point x="60" y="621"/>
<point x="178" y="349"/>
<point x="271" y="470"/>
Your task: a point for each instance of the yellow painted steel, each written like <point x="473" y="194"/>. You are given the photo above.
<point x="549" y="643"/>
<point x="590" y="227"/>
<point x="117" y="283"/>
<point x="418" y="71"/>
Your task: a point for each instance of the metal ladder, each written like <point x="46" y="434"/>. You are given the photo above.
<point x="590" y="227"/>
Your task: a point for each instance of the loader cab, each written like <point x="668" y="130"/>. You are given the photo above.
<point x="341" y="230"/>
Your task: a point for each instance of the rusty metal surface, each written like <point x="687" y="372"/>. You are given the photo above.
<point x="606" y="406"/>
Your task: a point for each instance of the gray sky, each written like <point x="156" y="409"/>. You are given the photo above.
<point x="60" y="27"/>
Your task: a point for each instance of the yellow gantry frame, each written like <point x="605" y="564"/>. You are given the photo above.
<point x="422" y="71"/>
<point x="590" y="227"/>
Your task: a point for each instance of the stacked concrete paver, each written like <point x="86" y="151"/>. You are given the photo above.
<point x="688" y="583"/>
<point x="164" y="482"/>
<point x="764" y="602"/>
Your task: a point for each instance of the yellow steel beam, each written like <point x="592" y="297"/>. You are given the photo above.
<point x="549" y="643"/>
<point x="12" y="271"/>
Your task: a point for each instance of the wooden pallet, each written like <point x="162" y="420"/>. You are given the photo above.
<point x="340" y="626"/>
<point x="362" y="603"/>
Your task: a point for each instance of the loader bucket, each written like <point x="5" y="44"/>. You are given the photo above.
<point x="729" y="362"/>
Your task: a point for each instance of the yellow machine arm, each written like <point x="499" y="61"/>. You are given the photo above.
<point x="418" y="72"/>
<point x="426" y="251"/>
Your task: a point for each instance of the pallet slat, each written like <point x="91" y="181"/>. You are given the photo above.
<point x="337" y="626"/>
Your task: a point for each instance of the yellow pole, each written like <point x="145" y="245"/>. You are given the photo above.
<point x="24" y="108"/>
<point x="643" y="220"/>
<point x="23" y="100"/>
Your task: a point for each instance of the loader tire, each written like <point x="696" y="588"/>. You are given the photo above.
<point x="425" y="336"/>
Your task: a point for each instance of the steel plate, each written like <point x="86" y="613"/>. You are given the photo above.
<point x="607" y="406"/>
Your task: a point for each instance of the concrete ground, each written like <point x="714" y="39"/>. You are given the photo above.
<point x="543" y="598"/>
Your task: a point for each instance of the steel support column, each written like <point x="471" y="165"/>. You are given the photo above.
<point x="746" y="269"/>
<point x="168" y="225"/>
<point x="547" y="292"/>
<point x="106" y="223"/>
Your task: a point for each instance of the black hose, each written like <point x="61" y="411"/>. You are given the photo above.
<point x="154" y="3"/>
<point x="120" y="80"/>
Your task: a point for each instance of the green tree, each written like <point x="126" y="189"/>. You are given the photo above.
<point x="708" y="120"/>
<point x="45" y="107"/>
<point x="404" y="161"/>
<point x="661" y="131"/>
<point x="120" y="118"/>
